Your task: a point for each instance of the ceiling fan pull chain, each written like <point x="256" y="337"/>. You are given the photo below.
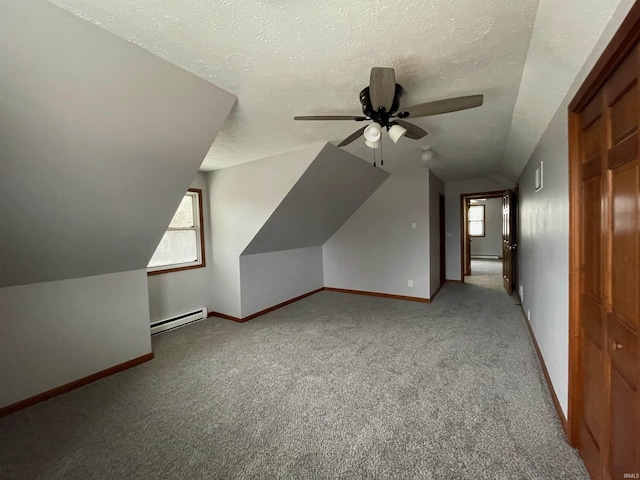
<point x="374" y="157"/>
<point x="381" y="159"/>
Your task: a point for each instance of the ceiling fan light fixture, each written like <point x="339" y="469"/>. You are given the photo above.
<point x="373" y="132"/>
<point x="396" y="132"/>
<point x="427" y="154"/>
<point x="372" y="144"/>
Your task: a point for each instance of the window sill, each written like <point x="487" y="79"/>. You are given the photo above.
<point x="175" y="269"/>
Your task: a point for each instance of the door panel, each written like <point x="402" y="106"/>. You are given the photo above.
<point x="624" y="151"/>
<point x="624" y="247"/>
<point x="508" y="244"/>
<point x="624" y="436"/>
<point x="592" y="321"/>
<point x="591" y="239"/>
<point x="622" y="122"/>
<point x="623" y="272"/>
<point x="593" y="392"/>
<point x="592" y="375"/>
<point x="623" y="351"/>
<point x="589" y="450"/>
<point x="622" y="79"/>
<point x="608" y="427"/>
<point x="593" y="137"/>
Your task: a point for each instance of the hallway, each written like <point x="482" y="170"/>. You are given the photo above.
<point x="333" y="386"/>
<point x="485" y="272"/>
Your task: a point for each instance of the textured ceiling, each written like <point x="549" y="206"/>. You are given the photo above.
<point x="564" y="35"/>
<point x="284" y="58"/>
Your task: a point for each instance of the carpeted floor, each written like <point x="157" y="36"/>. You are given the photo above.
<point x="333" y="386"/>
<point x="481" y="267"/>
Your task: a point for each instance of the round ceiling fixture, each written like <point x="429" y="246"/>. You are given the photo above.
<point x="427" y="154"/>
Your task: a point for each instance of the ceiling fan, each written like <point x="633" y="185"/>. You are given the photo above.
<point x="381" y="104"/>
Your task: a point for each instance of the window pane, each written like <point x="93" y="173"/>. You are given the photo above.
<point x="184" y="215"/>
<point x="476" y="212"/>
<point x="177" y="246"/>
<point x="476" y="228"/>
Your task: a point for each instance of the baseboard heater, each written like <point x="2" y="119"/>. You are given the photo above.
<point x="178" y="321"/>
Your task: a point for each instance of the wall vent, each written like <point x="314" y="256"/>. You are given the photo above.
<point x="178" y="321"/>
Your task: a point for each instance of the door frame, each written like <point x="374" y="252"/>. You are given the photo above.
<point x="463" y="221"/>
<point x="443" y="238"/>
<point x="622" y="43"/>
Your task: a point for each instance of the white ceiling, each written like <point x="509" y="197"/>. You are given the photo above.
<point x="564" y="35"/>
<point x="284" y="58"/>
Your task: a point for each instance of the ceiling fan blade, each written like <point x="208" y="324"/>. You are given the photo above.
<point x="382" y="87"/>
<point x="442" y="106"/>
<point x="413" y="131"/>
<point x="331" y="117"/>
<point x="354" y="136"/>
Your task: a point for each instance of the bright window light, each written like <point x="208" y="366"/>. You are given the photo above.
<point x="181" y="246"/>
<point x="476" y="220"/>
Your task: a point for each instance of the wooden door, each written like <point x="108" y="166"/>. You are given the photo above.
<point x="608" y="424"/>
<point x="467" y="239"/>
<point x="443" y="239"/>
<point x="508" y="244"/>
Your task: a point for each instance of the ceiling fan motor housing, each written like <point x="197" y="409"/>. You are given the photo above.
<point x="385" y="93"/>
<point x="381" y="117"/>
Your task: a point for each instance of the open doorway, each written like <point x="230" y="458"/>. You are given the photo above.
<point x="487" y="243"/>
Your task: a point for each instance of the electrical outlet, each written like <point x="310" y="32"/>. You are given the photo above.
<point x="521" y="292"/>
<point x="528" y="314"/>
<point x="414" y="225"/>
<point x="410" y="283"/>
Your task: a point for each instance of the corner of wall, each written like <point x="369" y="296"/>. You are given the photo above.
<point x="377" y="249"/>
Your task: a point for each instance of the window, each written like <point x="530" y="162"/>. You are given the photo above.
<point x="476" y="220"/>
<point x="182" y="246"/>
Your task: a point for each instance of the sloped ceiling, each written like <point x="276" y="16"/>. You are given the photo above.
<point x="564" y="35"/>
<point x="327" y="194"/>
<point x="293" y="58"/>
<point x="99" y="140"/>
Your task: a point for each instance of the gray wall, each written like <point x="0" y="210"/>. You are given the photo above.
<point x="543" y="251"/>
<point x="56" y="332"/>
<point x="241" y="200"/>
<point x="328" y="193"/>
<point x="275" y="277"/>
<point x="174" y="293"/>
<point x="436" y="187"/>
<point x="286" y="203"/>
<point x="453" y="190"/>
<point x="98" y="143"/>
<point x="544" y="232"/>
<point x="376" y="250"/>
<point x="491" y="243"/>
<point x="99" y="139"/>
